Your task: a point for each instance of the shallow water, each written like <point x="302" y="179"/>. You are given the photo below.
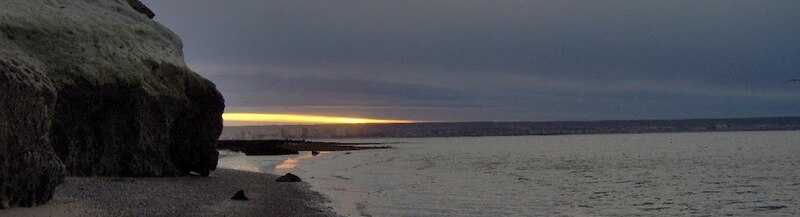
<point x="734" y="173"/>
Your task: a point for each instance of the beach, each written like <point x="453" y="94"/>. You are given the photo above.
<point x="180" y="196"/>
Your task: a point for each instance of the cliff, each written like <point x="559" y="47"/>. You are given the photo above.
<point x="94" y="87"/>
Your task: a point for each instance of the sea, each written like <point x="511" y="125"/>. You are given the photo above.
<point x="667" y="174"/>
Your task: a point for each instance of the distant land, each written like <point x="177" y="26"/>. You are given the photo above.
<point x="456" y="129"/>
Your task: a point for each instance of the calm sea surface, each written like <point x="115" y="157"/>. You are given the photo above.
<point x="736" y="173"/>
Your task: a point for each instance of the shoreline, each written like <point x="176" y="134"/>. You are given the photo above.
<point x="180" y="196"/>
<point x="343" y="196"/>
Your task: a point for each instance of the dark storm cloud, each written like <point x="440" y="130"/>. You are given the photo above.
<point x="496" y="60"/>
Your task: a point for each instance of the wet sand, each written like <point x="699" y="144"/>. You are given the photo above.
<point x="180" y="196"/>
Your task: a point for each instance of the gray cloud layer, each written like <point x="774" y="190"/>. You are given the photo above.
<point x="496" y="60"/>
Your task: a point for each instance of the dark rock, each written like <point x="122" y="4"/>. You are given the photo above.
<point x="314" y="153"/>
<point x="29" y="169"/>
<point x="141" y="8"/>
<point x="289" y="177"/>
<point x="239" y="196"/>
<point x="126" y="105"/>
<point x="97" y="91"/>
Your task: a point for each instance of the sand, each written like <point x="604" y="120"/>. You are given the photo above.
<point x="180" y="196"/>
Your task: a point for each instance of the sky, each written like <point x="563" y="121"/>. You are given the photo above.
<point x="466" y="60"/>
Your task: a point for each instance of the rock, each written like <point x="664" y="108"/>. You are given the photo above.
<point x="289" y="177"/>
<point x="29" y="168"/>
<point x="239" y="196"/>
<point x="314" y="153"/>
<point x="141" y="8"/>
<point x="127" y="104"/>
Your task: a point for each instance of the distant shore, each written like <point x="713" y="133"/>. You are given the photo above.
<point x="477" y="129"/>
<point x="283" y="147"/>
<point x="180" y="196"/>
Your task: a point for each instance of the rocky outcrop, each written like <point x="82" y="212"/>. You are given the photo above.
<point x="29" y="169"/>
<point x="110" y="95"/>
<point x="289" y="177"/>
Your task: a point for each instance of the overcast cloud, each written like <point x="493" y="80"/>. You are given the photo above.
<point x="462" y="60"/>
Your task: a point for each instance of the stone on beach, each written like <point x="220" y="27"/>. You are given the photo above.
<point x="289" y="177"/>
<point x="239" y="196"/>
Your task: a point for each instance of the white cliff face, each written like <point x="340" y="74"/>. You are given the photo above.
<point x="124" y="103"/>
<point x="98" y="35"/>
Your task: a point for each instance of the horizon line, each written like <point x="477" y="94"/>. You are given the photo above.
<point x="549" y="121"/>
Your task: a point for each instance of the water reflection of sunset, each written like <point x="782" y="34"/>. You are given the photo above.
<point x="292" y="162"/>
<point x="307" y="119"/>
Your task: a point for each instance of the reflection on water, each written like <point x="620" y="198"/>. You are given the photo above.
<point x="274" y="164"/>
<point x="292" y="162"/>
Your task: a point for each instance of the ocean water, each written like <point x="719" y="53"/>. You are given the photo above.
<point x="716" y="174"/>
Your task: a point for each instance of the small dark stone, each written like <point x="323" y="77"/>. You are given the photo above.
<point x="239" y="196"/>
<point x="314" y="153"/>
<point x="289" y="177"/>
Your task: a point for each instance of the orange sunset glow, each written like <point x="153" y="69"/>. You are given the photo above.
<point x="304" y="119"/>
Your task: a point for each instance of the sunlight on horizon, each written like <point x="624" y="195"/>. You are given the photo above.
<point x="304" y="119"/>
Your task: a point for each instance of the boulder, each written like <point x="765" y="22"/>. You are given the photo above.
<point x="108" y="92"/>
<point x="289" y="177"/>
<point x="29" y="168"/>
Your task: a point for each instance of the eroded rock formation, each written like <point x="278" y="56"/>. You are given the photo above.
<point x="29" y="169"/>
<point x="113" y="97"/>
